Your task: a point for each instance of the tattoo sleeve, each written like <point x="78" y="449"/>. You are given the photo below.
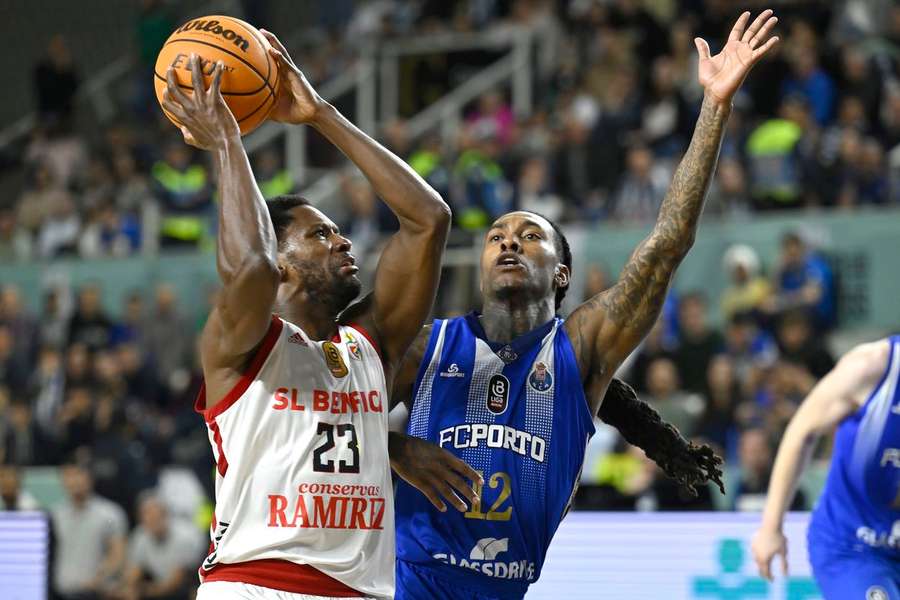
<point x="629" y="309"/>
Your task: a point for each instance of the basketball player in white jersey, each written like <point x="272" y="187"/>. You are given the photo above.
<point x="295" y="393"/>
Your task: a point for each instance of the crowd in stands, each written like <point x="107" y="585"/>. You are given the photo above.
<point x="110" y="395"/>
<point x="816" y="126"/>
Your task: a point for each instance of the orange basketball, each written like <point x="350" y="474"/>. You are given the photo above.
<point x="250" y="77"/>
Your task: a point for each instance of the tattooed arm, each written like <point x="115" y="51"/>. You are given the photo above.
<point x="606" y="328"/>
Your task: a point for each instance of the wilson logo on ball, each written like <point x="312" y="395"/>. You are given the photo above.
<point x="216" y="29"/>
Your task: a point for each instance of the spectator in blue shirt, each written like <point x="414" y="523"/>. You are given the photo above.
<point x="810" y="80"/>
<point x="805" y="281"/>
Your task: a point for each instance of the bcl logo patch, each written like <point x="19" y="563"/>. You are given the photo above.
<point x="498" y="394"/>
<point x="334" y="360"/>
<point x="540" y="378"/>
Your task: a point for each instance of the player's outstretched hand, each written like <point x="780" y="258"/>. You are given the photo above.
<point x="765" y="545"/>
<point x="434" y="472"/>
<point x="297" y="101"/>
<point x="721" y="75"/>
<point x="206" y="121"/>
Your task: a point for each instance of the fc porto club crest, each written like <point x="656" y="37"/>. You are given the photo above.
<point x="540" y="379"/>
<point x="334" y="360"/>
<point x="498" y="394"/>
<point x="353" y="347"/>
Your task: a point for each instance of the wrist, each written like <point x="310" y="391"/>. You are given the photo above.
<point x="717" y="102"/>
<point x="324" y="114"/>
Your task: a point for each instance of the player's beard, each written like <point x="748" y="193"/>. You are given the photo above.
<point x="328" y="287"/>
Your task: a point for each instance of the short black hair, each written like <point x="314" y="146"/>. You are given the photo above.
<point x="563" y="251"/>
<point x="280" y="208"/>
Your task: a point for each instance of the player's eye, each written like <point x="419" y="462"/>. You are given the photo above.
<point x="322" y="233"/>
<point x="532" y="236"/>
<point x="495" y="238"/>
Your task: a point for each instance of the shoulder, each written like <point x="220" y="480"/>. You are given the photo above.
<point x="108" y="510"/>
<point x="867" y="359"/>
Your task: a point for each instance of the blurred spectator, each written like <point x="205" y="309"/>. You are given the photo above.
<point x="428" y="162"/>
<point x="15" y="243"/>
<point x="723" y="395"/>
<point x="798" y="346"/>
<point x="667" y="121"/>
<point x="729" y="195"/>
<point x="22" y="326"/>
<point x="90" y="325"/>
<point x="748" y="290"/>
<point x="804" y="280"/>
<point x="773" y="154"/>
<point x="492" y="118"/>
<point x="23" y="442"/>
<point x="698" y="342"/>
<point x="532" y="191"/>
<point x="75" y="420"/>
<point x="162" y="555"/>
<point x="56" y="82"/>
<point x="751" y="350"/>
<point x="681" y="409"/>
<point x="859" y="79"/>
<point x="812" y="82"/>
<point x="44" y="197"/>
<point x="642" y="189"/>
<point x="168" y="335"/>
<point x="361" y="210"/>
<point x="54" y="321"/>
<point x="756" y="457"/>
<point x="45" y="389"/>
<point x="183" y="187"/>
<point x="653" y="347"/>
<point x="482" y="188"/>
<point x="90" y="539"/>
<point x="109" y="232"/>
<point x="134" y="324"/>
<point x="58" y="233"/>
<point x="12" y="496"/>
<point x="13" y="374"/>
<point x="273" y="177"/>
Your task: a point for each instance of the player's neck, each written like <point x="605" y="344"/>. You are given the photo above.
<point x="319" y="322"/>
<point x="504" y="321"/>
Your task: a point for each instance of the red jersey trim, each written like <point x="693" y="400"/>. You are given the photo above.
<point x="246" y="379"/>
<point x="369" y="337"/>
<point x="281" y="575"/>
<point x="221" y="462"/>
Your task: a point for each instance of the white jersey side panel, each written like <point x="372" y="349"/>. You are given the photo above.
<point x="303" y="471"/>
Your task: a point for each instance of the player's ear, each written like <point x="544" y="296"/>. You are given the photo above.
<point x="561" y="276"/>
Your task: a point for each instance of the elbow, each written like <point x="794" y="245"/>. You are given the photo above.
<point x="437" y="217"/>
<point x="261" y="269"/>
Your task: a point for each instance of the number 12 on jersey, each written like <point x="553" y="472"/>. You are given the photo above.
<point x="498" y="479"/>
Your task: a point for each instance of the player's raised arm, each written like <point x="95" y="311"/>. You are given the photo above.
<point x="409" y="269"/>
<point x="246" y="255"/>
<point x="835" y="397"/>
<point x="609" y="326"/>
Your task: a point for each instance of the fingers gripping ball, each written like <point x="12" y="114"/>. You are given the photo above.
<point x="250" y="75"/>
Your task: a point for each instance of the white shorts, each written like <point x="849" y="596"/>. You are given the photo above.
<point x="230" y="590"/>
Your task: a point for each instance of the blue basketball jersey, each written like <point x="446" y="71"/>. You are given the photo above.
<point x="515" y="412"/>
<point x="860" y="506"/>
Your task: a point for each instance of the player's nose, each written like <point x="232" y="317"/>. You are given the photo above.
<point x="342" y="244"/>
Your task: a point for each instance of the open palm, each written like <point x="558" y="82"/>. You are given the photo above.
<point x="721" y="75"/>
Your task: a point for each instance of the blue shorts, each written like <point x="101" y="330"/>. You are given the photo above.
<point x="847" y="574"/>
<point x="415" y="582"/>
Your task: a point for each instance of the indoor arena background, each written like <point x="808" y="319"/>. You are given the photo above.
<point x="579" y="109"/>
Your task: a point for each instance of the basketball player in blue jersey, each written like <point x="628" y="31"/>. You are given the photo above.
<point x="854" y="533"/>
<point x="505" y="389"/>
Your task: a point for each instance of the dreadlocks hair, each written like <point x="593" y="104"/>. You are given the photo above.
<point x="639" y="423"/>
<point x="280" y="208"/>
<point x="562" y="250"/>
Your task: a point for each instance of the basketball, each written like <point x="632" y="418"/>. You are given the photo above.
<point x="250" y="76"/>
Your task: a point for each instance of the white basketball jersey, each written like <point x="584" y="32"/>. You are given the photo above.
<point x="302" y="460"/>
